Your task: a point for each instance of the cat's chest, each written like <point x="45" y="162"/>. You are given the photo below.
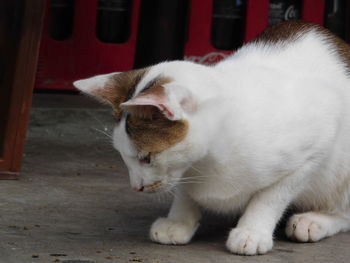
<point x="219" y="196"/>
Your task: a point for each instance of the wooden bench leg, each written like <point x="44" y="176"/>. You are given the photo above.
<point x="20" y="34"/>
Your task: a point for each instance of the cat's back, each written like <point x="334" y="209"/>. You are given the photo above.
<point x="292" y="31"/>
<point x="293" y="82"/>
<point x="295" y="46"/>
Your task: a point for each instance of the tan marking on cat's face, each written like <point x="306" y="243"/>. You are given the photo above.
<point x="152" y="187"/>
<point x="119" y="88"/>
<point x="153" y="132"/>
<point x="157" y="134"/>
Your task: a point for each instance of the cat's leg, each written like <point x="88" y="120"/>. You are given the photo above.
<point x="180" y="225"/>
<point x="254" y="231"/>
<point x="313" y="226"/>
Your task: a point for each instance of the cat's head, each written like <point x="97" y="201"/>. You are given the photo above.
<point x="155" y="131"/>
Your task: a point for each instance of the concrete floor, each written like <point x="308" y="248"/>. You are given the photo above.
<point x="73" y="202"/>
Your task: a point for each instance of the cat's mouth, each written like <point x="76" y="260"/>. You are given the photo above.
<point x="151" y="188"/>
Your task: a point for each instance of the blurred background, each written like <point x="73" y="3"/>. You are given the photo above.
<point x="82" y="38"/>
<point x="47" y="44"/>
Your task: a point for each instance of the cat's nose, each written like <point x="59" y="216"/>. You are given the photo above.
<point x="138" y="189"/>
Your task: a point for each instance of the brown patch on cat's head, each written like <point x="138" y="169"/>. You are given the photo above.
<point x="149" y="126"/>
<point x="157" y="134"/>
<point x="118" y="88"/>
<point x="123" y="87"/>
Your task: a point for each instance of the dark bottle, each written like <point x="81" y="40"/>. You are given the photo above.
<point x="113" y="21"/>
<point x="61" y="19"/>
<point x="335" y="17"/>
<point x="284" y="10"/>
<point x="228" y="24"/>
<point x="162" y="31"/>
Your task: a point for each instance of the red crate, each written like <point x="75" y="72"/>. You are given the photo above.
<point x="199" y="48"/>
<point x="83" y="55"/>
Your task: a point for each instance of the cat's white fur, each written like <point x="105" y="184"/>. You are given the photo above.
<point x="270" y="128"/>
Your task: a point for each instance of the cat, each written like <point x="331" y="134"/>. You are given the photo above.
<point x="263" y="130"/>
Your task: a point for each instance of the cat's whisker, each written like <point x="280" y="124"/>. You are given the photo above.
<point x="158" y="197"/>
<point x="172" y="189"/>
<point x="191" y="179"/>
<point x="192" y="182"/>
<point x="183" y="183"/>
<point x="172" y="185"/>
<point x="104" y="133"/>
<point x="172" y="192"/>
<point x="96" y="119"/>
<point x="175" y="182"/>
<point x="195" y="176"/>
<point x="196" y="169"/>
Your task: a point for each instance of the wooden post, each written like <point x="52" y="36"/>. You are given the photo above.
<point x="20" y="34"/>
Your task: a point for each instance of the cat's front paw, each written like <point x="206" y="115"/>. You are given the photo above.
<point x="245" y="241"/>
<point x="171" y="232"/>
<point x="307" y="227"/>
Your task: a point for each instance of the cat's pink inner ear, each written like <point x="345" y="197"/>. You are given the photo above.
<point x="149" y="103"/>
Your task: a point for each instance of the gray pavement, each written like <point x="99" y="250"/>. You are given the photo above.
<point x="73" y="203"/>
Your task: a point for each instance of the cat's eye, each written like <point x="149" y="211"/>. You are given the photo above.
<point x="145" y="159"/>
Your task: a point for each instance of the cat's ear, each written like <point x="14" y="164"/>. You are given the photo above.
<point x="149" y="103"/>
<point x="157" y="100"/>
<point x="112" y="89"/>
<point x="95" y="86"/>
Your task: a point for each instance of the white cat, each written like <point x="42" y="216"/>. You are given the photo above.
<point x="266" y="128"/>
